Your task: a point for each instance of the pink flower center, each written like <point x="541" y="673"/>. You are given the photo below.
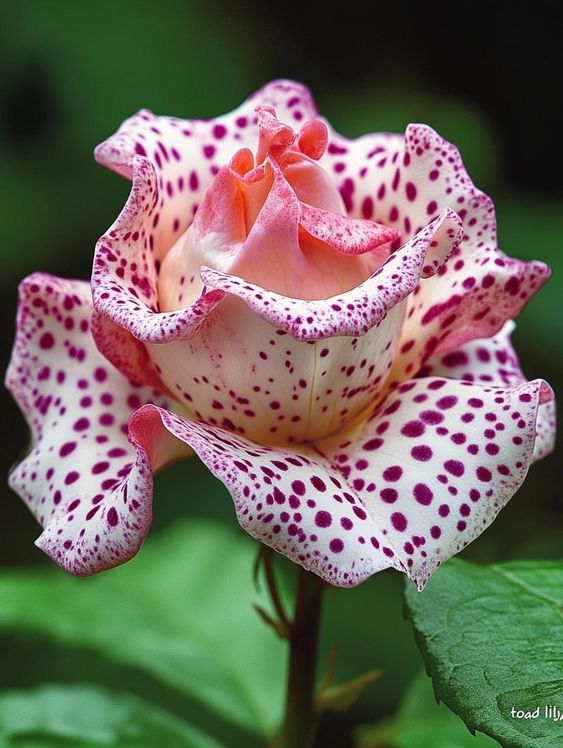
<point x="277" y="220"/>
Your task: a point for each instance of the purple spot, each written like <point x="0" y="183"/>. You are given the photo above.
<point x="421" y="453"/>
<point x="389" y="495"/>
<point x="323" y="519"/>
<point x="413" y="429"/>
<point x="483" y="474"/>
<point x="46" y="341"/>
<point x="392" y="473"/>
<point x="423" y="494"/>
<point x="113" y="517"/>
<point x="336" y="545"/>
<point x="67" y="448"/>
<point x="454" y="467"/>
<point x="399" y="521"/>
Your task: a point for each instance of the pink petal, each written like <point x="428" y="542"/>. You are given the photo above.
<point x="186" y="154"/>
<point x="405" y="182"/>
<point x="358" y="310"/>
<point x="493" y="361"/>
<point x="82" y="479"/>
<point x="437" y="461"/>
<point x="255" y="227"/>
<point x="349" y="236"/>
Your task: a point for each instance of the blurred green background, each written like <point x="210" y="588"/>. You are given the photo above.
<point x="72" y="71"/>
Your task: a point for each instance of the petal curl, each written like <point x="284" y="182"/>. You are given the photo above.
<point x="124" y="276"/>
<point x="186" y="154"/>
<point x="82" y="479"/>
<point x="494" y="361"/>
<point x="437" y="461"/>
<point x="405" y="182"/>
<point x="358" y="310"/>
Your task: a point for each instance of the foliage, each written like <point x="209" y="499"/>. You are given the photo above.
<point x="491" y="640"/>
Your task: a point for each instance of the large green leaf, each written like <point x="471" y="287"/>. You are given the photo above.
<point x="181" y="611"/>
<point x="492" y="640"/>
<point x="421" y="723"/>
<point x="86" y="716"/>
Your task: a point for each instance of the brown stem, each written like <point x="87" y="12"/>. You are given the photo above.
<point x="267" y="562"/>
<point x="300" y="720"/>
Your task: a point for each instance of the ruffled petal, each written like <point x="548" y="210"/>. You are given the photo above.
<point x="493" y="361"/>
<point x="437" y="461"/>
<point x="187" y="154"/>
<point x="293" y="502"/>
<point x="406" y="182"/>
<point x="82" y="479"/>
<point x="358" y="310"/>
<point x="124" y="277"/>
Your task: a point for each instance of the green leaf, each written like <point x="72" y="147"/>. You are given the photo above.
<point x="55" y="715"/>
<point x="181" y="611"/>
<point x="420" y="722"/>
<point x="491" y="640"/>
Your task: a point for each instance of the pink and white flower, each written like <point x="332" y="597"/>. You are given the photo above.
<point x="324" y="321"/>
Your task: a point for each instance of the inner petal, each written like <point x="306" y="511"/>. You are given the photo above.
<point x="243" y="375"/>
<point x="255" y="222"/>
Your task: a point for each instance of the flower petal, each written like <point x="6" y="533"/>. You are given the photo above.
<point x="493" y="361"/>
<point x="242" y="375"/>
<point x="437" y="461"/>
<point x="347" y="235"/>
<point x="186" y="154"/>
<point x="405" y="182"/>
<point x="124" y="277"/>
<point x="358" y="310"/>
<point x="292" y="501"/>
<point x="82" y="479"/>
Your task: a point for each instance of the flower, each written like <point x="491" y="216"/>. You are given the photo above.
<point x="307" y="314"/>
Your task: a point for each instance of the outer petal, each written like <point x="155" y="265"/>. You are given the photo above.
<point x="82" y="479"/>
<point x="437" y="461"/>
<point x="358" y="310"/>
<point x="292" y="501"/>
<point x="494" y="361"/>
<point x="186" y="154"/>
<point x="405" y="182"/>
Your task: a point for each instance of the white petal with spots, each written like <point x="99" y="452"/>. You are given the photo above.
<point x="82" y="479"/>
<point x="406" y="182"/>
<point x="436" y="462"/>
<point x="494" y="361"/>
<point x="292" y="501"/>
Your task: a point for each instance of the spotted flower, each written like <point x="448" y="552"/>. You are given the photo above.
<point x="325" y="322"/>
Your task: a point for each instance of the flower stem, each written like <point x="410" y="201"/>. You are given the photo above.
<point x="300" y="720"/>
